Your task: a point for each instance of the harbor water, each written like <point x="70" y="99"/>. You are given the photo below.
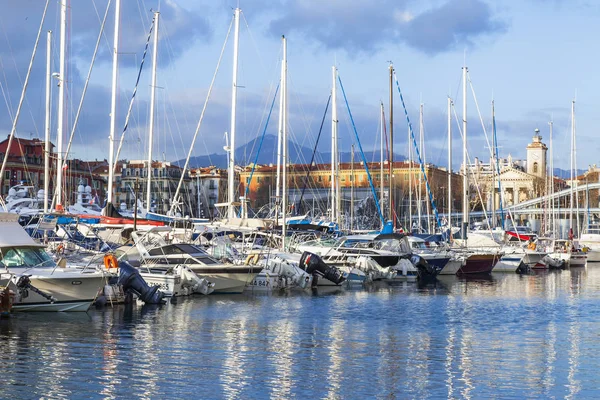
<point x="506" y="335"/>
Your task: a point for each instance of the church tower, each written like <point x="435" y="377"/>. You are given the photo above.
<point x="536" y="156"/>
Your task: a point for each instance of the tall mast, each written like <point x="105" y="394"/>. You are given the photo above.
<point x="575" y="172"/>
<point x="410" y="181"/>
<point x="113" y="103"/>
<point x="493" y="165"/>
<point x="381" y="177"/>
<point x="334" y="121"/>
<point x="572" y="162"/>
<point x="392" y="213"/>
<point x="47" y="123"/>
<point x="552" y="206"/>
<point x="465" y="208"/>
<point x="152" y="105"/>
<point x="284" y="147"/>
<point x="279" y="139"/>
<point x="61" y="100"/>
<point x="231" y="180"/>
<point x="352" y="187"/>
<point x="419" y="197"/>
<point x="449" y="162"/>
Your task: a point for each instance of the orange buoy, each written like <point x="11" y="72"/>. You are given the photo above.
<point x="110" y="261"/>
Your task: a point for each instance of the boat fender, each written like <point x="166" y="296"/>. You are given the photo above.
<point x="110" y="261"/>
<point x="252" y="259"/>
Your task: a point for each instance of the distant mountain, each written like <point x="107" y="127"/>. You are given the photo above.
<point x="246" y="153"/>
<point x="566" y="173"/>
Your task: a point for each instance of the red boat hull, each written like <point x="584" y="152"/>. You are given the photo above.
<point x="479" y="264"/>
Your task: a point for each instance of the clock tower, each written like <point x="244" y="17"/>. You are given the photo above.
<point x="536" y="156"/>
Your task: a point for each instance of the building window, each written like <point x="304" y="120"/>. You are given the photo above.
<point x="535" y="167"/>
<point x="320" y="178"/>
<point x="258" y="179"/>
<point x="7" y="175"/>
<point x="247" y="181"/>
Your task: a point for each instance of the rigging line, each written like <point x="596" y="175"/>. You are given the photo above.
<point x="7" y="99"/>
<point x="133" y="96"/>
<point x="472" y="174"/>
<point x="261" y="143"/>
<point x="418" y="153"/>
<point x="312" y="159"/>
<point x="85" y="86"/>
<point x="16" y="119"/>
<point x="487" y="140"/>
<point x="29" y="108"/>
<point x="98" y="16"/>
<point x="260" y="146"/>
<point x="266" y="106"/>
<point x="187" y="160"/>
<point x="362" y="153"/>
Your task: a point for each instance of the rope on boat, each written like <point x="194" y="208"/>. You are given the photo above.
<point x="412" y="135"/>
<point x="362" y="154"/>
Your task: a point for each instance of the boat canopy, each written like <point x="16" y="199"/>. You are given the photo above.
<point x="12" y="234"/>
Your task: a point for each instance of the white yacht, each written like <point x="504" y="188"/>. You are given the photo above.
<point x="38" y="282"/>
<point x="590" y="242"/>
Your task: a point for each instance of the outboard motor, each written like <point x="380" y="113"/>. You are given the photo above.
<point x="313" y="264"/>
<point x="130" y="279"/>
<point x="24" y="284"/>
<point x="425" y="270"/>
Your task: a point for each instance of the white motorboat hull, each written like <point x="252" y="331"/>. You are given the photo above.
<point x="451" y="268"/>
<point x="73" y="291"/>
<point x="170" y="285"/>
<point x="227" y="279"/>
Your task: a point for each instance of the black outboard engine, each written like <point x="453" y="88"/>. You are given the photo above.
<point x="424" y="269"/>
<point x="24" y="284"/>
<point x="313" y="264"/>
<point x="130" y="279"/>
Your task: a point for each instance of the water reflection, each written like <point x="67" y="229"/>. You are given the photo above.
<point x="504" y="335"/>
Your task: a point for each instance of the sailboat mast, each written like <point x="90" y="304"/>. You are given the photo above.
<point x="575" y="174"/>
<point x="231" y="180"/>
<point x="391" y="182"/>
<point x="279" y="138"/>
<point x="61" y="100"/>
<point x="552" y="204"/>
<point x="113" y="103"/>
<point x="152" y="105"/>
<point x="449" y="161"/>
<point x="572" y="161"/>
<point x="381" y="177"/>
<point x="352" y="187"/>
<point x="334" y="212"/>
<point x="47" y="122"/>
<point x="419" y="193"/>
<point x="465" y="205"/>
<point x="493" y="165"/>
<point x="285" y="142"/>
<point x="410" y="181"/>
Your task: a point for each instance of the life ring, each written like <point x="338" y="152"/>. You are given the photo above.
<point x="110" y="261"/>
<point x="60" y="249"/>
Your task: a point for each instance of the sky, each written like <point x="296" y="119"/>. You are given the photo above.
<point x="532" y="57"/>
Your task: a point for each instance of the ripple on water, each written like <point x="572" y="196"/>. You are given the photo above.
<point x="504" y="336"/>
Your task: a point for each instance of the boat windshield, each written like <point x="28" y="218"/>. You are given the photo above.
<point x="25" y="257"/>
